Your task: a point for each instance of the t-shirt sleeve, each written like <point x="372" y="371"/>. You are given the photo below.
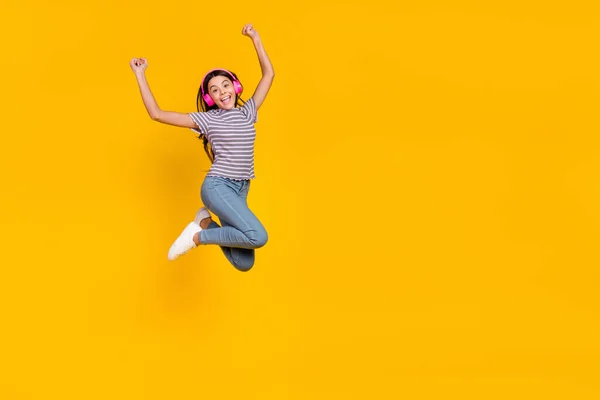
<point x="250" y="109"/>
<point x="201" y="120"/>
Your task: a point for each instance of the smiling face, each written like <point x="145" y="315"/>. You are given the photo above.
<point x="221" y="90"/>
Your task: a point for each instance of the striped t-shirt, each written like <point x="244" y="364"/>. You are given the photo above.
<point x="231" y="135"/>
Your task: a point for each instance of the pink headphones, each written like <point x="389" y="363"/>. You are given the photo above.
<point x="237" y="86"/>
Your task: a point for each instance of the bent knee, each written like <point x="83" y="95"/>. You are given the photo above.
<point x="258" y="238"/>
<point x="244" y="266"/>
<point x="241" y="259"/>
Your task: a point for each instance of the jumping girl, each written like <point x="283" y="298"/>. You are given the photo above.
<point x="225" y="123"/>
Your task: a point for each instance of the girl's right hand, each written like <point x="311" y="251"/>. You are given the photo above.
<point x="138" y="64"/>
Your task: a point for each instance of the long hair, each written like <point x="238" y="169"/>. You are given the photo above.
<point x="202" y="106"/>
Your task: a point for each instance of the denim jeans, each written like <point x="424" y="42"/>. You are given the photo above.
<point x="240" y="231"/>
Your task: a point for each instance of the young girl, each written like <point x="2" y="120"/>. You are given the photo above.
<point x="227" y="124"/>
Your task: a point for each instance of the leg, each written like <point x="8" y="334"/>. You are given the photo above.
<point x="241" y="232"/>
<point x="241" y="259"/>
<point x="227" y="200"/>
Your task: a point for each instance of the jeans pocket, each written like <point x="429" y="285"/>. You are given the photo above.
<point x="246" y="189"/>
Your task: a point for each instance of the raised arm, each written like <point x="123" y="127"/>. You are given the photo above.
<point x="265" y="65"/>
<point x="139" y="65"/>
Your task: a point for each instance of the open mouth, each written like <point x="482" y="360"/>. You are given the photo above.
<point x="226" y="100"/>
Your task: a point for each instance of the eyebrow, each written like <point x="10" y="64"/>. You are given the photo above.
<point x="226" y="79"/>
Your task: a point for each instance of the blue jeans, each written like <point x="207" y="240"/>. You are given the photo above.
<point x="240" y="231"/>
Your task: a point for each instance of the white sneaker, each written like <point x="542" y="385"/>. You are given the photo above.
<point x="185" y="241"/>
<point x="201" y="214"/>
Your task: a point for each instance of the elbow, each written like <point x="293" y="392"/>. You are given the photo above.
<point x="269" y="75"/>
<point x="155" y="116"/>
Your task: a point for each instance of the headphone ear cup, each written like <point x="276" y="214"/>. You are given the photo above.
<point x="237" y="86"/>
<point x="209" y="101"/>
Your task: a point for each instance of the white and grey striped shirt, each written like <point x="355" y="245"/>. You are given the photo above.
<point x="231" y="134"/>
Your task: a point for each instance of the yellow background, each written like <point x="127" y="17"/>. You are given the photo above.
<point x="428" y="175"/>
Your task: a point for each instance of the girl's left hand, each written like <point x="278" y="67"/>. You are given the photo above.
<point x="138" y="64"/>
<point x="249" y="31"/>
